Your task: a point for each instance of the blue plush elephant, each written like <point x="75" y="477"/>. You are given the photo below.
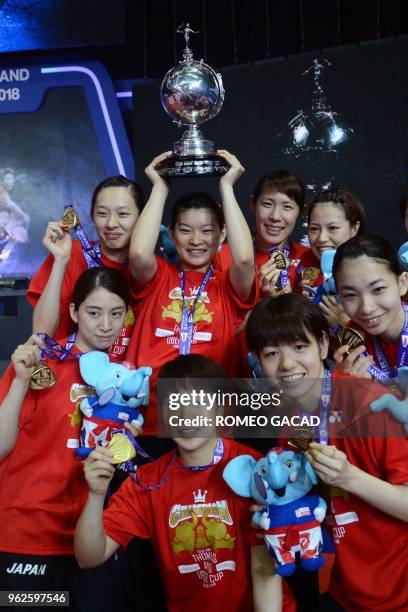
<point x="398" y="408"/>
<point x="291" y="522"/>
<point x="403" y="256"/>
<point x="328" y="287"/>
<point x="119" y="392"/>
<point x="166" y="246"/>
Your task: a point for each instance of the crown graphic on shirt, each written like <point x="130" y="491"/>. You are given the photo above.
<point x="199" y="497"/>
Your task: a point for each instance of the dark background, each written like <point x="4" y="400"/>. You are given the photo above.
<point x="365" y="84"/>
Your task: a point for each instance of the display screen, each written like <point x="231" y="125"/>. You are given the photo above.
<point x="52" y="24"/>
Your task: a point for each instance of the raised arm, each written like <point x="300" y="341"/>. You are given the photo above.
<point x="46" y="313"/>
<point x="333" y="467"/>
<point x="92" y="545"/>
<point x="146" y="231"/>
<point x="266" y="585"/>
<point x="242" y="269"/>
<point x="24" y="359"/>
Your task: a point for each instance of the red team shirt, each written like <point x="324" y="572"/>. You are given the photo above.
<point x="390" y="350"/>
<point x="223" y="259"/>
<point x="198" y="527"/>
<point x="155" y="339"/>
<point x="42" y="484"/>
<point x="77" y="264"/>
<point x="371" y="562"/>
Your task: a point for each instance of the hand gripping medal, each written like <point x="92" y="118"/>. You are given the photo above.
<point x="122" y="448"/>
<point x="70" y="218"/>
<point x="279" y="260"/>
<point x="350" y="336"/>
<point x="303" y="436"/>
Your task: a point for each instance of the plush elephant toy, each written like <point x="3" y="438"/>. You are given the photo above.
<point x="328" y="287"/>
<point x="403" y="256"/>
<point x="166" y="245"/>
<point x="280" y="481"/>
<point x="388" y="401"/>
<point x="120" y="390"/>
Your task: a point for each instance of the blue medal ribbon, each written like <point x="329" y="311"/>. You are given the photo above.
<point x="324" y="404"/>
<point x="385" y="372"/>
<point x="187" y="317"/>
<point x="91" y="253"/>
<point x="56" y="351"/>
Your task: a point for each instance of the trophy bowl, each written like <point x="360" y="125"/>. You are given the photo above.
<point x="191" y="93"/>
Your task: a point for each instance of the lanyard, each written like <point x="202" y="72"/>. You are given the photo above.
<point x="187" y="317"/>
<point x="385" y="371"/>
<point x="91" y="253"/>
<point x="56" y="351"/>
<point x="324" y="403"/>
<point x="217" y="456"/>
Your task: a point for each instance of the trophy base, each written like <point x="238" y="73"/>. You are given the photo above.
<point x="180" y="166"/>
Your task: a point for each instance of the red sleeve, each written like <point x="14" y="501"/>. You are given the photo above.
<point x="39" y="280"/>
<point x="396" y="460"/>
<point x="253" y="297"/>
<point x="6" y="381"/>
<point x="29" y="403"/>
<point x="76" y="266"/>
<point x="127" y="514"/>
<point x="223" y="259"/>
<point x="137" y="292"/>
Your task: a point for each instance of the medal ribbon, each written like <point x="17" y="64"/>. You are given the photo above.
<point x="91" y="253"/>
<point x="217" y="456"/>
<point x="187" y="317"/>
<point x="56" y="351"/>
<point x="385" y="371"/>
<point x="324" y="403"/>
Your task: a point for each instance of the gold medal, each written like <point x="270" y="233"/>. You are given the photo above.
<point x="309" y="275"/>
<point x="122" y="448"/>
<point x="70" y="218"/>
<point x="42" y="377"/>
<point x="279" y="260"/>
<point x="351" y="336"/>
<point x="302" y="437"/>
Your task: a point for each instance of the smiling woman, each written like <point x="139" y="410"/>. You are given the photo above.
<point x="40" y="428"/>
<point x="116" y="205"/>
<point x="363" y="454"/>
<point x="371" y="285"/>
<point x="191" y="307"/>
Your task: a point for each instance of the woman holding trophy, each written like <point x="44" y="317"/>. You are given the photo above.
<point x="190" y="306"/>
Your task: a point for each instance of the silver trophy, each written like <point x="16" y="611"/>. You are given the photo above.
<point x="191" y="93"/>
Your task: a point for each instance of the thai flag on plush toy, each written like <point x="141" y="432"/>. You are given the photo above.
<point x="120" y="391"/>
